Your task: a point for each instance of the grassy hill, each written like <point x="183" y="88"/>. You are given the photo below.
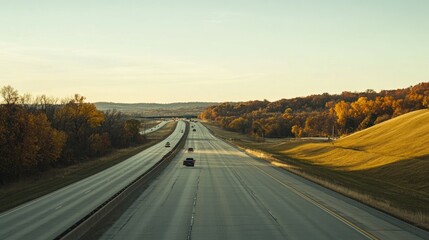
<point x="396" y="151"/>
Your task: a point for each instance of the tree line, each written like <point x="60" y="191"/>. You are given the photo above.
<point x="43" y="132"/>
<point x="322" y="115"/>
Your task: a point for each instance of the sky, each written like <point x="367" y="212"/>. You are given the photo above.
<point x="213" y="51"/>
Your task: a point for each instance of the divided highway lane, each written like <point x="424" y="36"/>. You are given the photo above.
<point x="229" y="195"/>
<point x="155" y="128"/>
<point x="50" y="215"/>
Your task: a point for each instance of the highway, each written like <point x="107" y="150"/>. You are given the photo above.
<point x="52" y="214"/>
<point x="154" y="128"/>
<point x="229" y="195"/>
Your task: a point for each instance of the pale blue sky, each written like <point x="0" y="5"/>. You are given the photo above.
<point x="235" y="50"/>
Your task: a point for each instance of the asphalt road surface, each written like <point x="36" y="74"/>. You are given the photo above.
<point x="229" y="195"/>
<point x="50" y="215"/>
<point x="154" y="128"/>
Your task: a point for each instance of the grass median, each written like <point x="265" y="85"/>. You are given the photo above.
<point x="14" y="194"/>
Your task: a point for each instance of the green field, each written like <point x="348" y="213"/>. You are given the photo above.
<point x="386" y="166"/>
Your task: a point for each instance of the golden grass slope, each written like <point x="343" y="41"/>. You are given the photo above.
<point x="404" y="138"/>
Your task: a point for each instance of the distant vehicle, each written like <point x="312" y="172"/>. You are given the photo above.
<point x="182" y="131"/>
<point x="167" y="144"/>
<point x="194" y="130"/>
<point x="189" y="162"/>
<point x="190" y="149"/>
<point x="192" y="126"/>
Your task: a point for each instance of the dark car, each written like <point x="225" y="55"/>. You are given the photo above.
<point x="194" y="130"/>
<point x="190" y="149"/>
<point x="167" y="144"/>
<point x="189" y="162"/>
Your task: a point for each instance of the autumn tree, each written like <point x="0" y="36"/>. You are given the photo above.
<point x="113" y="125"/>
<point x="9" y="94"/>
<point x="238" y="124"/>
<point x="27" y="142"/>
<point x="316" y="115"/>
<point x="50" y="142"/>
<point x="78" y="120"/>
<point x="17" y="144"/>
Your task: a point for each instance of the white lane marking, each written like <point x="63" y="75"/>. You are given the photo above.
<point x="327" y="210"/>
<point x="193" y="210"/>
<point x="58" y="207"/>
<point x="272" y="215"/>
<point x="34" y="201"/>
<point x="16" y="209"/>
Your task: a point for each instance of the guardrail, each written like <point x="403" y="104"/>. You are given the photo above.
<point x="80" y="228"/>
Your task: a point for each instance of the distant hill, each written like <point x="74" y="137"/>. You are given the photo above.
<point x="156" y="109"/>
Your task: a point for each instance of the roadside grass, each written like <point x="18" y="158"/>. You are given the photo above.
<point x="385" y="166"/>
<point x="14" y="194"/>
